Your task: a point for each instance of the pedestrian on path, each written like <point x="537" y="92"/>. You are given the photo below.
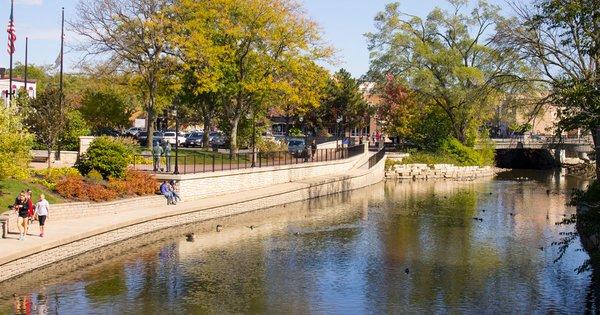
<point x="157" y="152"/>
<point x="168" y="156"/>
<point x="22" y="208"/>
<point x="41" y="210"/>
<point x="30" y="210"/>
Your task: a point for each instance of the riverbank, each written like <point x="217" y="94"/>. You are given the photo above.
<point x="439" y="171"/>
<point x="71" y="237"/>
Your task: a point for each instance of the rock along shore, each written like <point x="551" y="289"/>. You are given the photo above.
<point x="439" y="171"/>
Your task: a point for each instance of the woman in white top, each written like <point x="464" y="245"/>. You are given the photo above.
<point x="41" y="210"/>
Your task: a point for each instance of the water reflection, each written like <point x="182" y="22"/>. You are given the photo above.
<point x="481" y="246"/>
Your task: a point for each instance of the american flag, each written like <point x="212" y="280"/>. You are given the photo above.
<point x="12" y="35"/>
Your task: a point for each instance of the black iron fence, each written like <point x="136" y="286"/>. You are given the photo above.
<point x="190" y="162"/>
<point x="373" y="160"/>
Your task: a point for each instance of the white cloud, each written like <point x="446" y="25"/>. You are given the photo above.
<point x="30" y="2"/>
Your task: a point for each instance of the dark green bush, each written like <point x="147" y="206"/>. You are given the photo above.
<point x="109" y="156"/>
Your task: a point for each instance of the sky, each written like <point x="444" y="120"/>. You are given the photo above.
<point x="343" y="24"/>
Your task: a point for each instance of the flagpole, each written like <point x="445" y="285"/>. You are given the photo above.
<point x="25" y="76"/>
<point x="61" y="99"/>
<point x="10" y="70"/>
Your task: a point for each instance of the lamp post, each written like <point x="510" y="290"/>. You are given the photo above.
<point x="251" y="116"/>
<point x="174" y="112"/>
<point x="301" y="120"/>
<point x="337" y="131"/>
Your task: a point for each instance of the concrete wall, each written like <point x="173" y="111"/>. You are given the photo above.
<point x="202" y="185"/>
<point x="107" y="235"/>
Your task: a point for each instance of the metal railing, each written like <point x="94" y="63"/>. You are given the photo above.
<point x="205" y="161"/>
<point x="373" y="160"/>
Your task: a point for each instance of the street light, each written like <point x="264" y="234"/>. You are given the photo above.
<point x="251" y="116"/>
<point x="174" y="113"/>
<point x="337" y="131"/>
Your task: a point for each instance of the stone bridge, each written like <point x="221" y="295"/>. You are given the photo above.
<point x="535" y="148"/>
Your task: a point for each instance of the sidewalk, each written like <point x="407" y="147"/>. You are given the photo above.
<point x="66" y="231"/>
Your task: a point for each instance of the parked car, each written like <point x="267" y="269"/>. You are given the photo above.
<point x="170" y="137"/>
<point x="133" y="131"/>
<point x="297" y="147"/>
<point x="194" y="139"/>
<point x="218" y="139"/>
<point x="106" y="132"/>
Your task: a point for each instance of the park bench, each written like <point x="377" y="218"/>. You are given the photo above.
<point x="39" y="159"/>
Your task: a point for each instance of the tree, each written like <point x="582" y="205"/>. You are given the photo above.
<point x="343" y="98"/>
<point x="106" y="108"/>
<point x="198" y="103"/>
<point x="449" y="59"/>
<point x="133" y="37"/>
<point x="46" y="118"/>
<point x="252" y="51"/>
<point x="75" y="127"/>
<point x="562" y="38"/>
<point x="15" y="143"/>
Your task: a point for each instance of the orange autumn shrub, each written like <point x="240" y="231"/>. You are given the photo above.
<point x="135" y="183"/>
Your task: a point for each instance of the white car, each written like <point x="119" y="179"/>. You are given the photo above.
<point x="133" y="131"/>
<point x="170" y="137"/>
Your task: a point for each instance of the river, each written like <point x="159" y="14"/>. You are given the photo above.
<point x="395" y="247"/>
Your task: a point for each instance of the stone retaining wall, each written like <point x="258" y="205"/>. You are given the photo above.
<point x="438" y="171"/>
<point x="108" y="235"/>
<point x="202" y="185"/>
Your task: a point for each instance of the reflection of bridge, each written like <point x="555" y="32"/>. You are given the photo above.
<point x="582" y="145"/>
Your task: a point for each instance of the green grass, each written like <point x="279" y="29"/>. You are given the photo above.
<point x="420" y="157"/>
<point x="10" y="188"/>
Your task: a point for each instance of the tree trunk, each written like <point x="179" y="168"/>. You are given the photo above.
<point x="49" y="148"/>
<point x="596" y="137"/>
<point x="234" y="128"/>
<point x="150" y="128"/>
<point x="207" y="119"/>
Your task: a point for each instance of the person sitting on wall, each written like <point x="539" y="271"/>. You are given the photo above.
<point x="166" y="191"/>
<point x="173" y="192"/>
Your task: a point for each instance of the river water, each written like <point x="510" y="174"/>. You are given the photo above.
<point x="395" y="247"/>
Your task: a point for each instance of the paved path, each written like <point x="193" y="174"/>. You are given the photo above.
<point x="66" y="231"/>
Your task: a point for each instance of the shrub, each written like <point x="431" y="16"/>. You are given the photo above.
<point x="270" y="145"/>
<point x="465" y="155"/>
<point x="95" y="176"/>
<point x="109" y="156"/>
<point x="78" y="188"/>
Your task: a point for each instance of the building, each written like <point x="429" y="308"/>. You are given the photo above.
<point x="17" y="84"/>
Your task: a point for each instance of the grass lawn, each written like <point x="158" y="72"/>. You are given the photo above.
<point x="10" y="188"/>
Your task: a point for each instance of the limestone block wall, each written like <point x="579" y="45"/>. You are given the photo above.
<point x="439" y="171"/>
<point x="197" y="186"/>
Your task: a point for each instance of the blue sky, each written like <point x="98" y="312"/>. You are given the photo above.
<point x="343" y="23"/>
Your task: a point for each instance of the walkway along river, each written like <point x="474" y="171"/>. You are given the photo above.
<point x="479" y="246"/>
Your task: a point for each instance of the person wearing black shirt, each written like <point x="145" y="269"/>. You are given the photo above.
<point x="22" y="208"/>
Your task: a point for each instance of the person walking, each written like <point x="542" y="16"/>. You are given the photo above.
<point x="313" y="148"/>
<point x="167" y="151"/>
<point x="30" y="210"/>
<point x="22" y="208"/>
<point x="157" y="152"/>
<point x="41" y="210"/>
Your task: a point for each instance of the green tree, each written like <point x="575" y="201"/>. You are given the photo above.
<point x="15" y="143"/>
<point x="449" y="59"/>
<point x="132" y="37"/>
<point x="254" y="51"/>
<point x="46" y="118"/>
<point x="106" y="108"/>
<point x="344" y="99"/>
<point x="75" y="127"/>
<point x="562" y="38"/>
